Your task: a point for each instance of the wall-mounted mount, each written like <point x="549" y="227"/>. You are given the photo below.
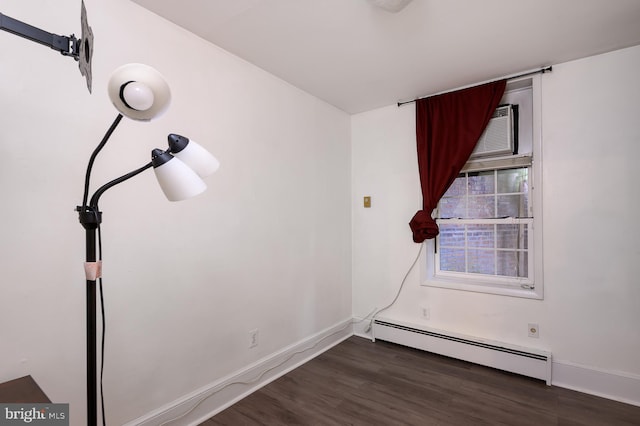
<point x="79" y="49"/>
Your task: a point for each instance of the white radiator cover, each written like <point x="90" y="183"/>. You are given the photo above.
<point x="525" y="361"/>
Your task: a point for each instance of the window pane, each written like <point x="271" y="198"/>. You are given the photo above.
<point x="513" y="205"/>
<point x="513" y="180"/>
<point x="482" y="207"/>
<point x="499" y="249"/>
<point x="458" y="188"/>
<point x="481" y="261"/>
<point x="451" y="235"/>
<point x="452" y="207"/>
<point x="452" y="259"/>
<point x="481" y="183"/>
<point x="513" y="263"/>
<point x="480" y="236"/>
<point x="512" y="236"/>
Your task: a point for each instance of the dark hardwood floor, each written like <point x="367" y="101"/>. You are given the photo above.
<point x="363" y="383"/>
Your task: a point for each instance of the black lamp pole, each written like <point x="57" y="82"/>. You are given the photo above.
<point x="90" y="217"/>
<point x="89" y="222"/>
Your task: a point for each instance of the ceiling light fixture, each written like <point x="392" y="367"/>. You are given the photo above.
<point x="393" y="6"/>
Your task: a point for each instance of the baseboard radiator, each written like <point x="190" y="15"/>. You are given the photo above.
<point x="525" y="361"/>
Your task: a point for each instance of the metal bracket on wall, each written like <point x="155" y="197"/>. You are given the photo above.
<point x="79" y="49"/>
<point x="68" y="46"/>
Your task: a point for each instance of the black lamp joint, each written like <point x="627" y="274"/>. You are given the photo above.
<point x="89" y="218"/>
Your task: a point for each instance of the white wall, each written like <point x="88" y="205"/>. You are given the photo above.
<point x="591" y="141"/>
<point x="267" y="246"/>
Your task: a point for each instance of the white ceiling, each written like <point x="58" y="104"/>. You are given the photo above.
<point x="359" y="57"/>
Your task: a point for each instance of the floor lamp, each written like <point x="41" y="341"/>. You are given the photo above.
<point x="138" y="92"/>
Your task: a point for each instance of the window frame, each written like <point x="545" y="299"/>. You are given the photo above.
<point x="479" y="283"/>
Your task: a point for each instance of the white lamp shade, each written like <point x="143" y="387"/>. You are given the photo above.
<point x="178" y="181"/>
<point x="199" y="159"/>
<point x="139" y="92"/>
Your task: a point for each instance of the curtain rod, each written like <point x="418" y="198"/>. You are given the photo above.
<point x="540" y="71"/>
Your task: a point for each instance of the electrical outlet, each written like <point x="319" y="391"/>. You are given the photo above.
<point x="426" y="312"/>
<point x="534" y="330"/>
<point x="253" y="338"/>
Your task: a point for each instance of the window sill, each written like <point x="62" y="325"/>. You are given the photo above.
<point x="480" y="287"/>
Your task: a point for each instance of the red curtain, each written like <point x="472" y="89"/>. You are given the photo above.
<point x="448" y="127"/>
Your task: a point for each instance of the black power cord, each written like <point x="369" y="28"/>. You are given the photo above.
<point x="104" y="421"/>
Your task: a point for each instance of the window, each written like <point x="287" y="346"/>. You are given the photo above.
<point x="490" y="224"/>
<point x="484" y="221"/>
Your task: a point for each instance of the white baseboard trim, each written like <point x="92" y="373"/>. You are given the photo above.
<point x="360" y="326"/>
<point x="364" y="336"/>
<point x="204" y="403"/>
<point x="618" y="386"/>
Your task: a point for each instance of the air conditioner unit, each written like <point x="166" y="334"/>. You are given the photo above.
<point x="498" y="138"/>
